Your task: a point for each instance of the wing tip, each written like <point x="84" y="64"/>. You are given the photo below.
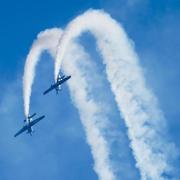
<point x="45" y="92"/>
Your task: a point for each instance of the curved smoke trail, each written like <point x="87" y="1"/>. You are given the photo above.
<point x="46" y="40"/>
<point x="91" y="113"/>
<point x="138" y="106"/>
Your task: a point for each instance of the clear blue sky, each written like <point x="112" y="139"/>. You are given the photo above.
<point x="58" y="149"/>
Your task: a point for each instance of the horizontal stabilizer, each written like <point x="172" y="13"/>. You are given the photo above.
<point x="32" y="115"/>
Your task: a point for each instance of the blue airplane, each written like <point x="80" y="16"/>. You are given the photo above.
<point x="29" y="123"/>
<point x="57" y="85"/>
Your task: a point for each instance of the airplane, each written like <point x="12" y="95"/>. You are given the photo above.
<point x="57" y="85"/>
<point x="29" y="124"/>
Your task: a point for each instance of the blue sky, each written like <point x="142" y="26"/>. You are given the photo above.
<point x="58" y="149"/>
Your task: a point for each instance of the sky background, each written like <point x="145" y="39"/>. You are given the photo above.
<point x="58" y="149"/>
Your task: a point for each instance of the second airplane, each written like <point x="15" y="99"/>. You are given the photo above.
<point x="57" y="86"/>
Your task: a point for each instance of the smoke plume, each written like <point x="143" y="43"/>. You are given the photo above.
<point x="137" y="104"/>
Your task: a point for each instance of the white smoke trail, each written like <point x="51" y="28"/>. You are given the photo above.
<point x="91" y="113"/>
<point x="138" y="105"/>
<point x="46" y="40"/>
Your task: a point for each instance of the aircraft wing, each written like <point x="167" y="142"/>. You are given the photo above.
<point x="21" y="131"/>
<point x="32" y="123"/>
<point x="64" y="79"/>
<point x="50" y="89"/>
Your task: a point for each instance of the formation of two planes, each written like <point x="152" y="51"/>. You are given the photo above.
<point x="29" y="120"/>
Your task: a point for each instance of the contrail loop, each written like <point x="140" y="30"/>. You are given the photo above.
<point x="88" y="108"/>
<point x="138" y="106"/>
